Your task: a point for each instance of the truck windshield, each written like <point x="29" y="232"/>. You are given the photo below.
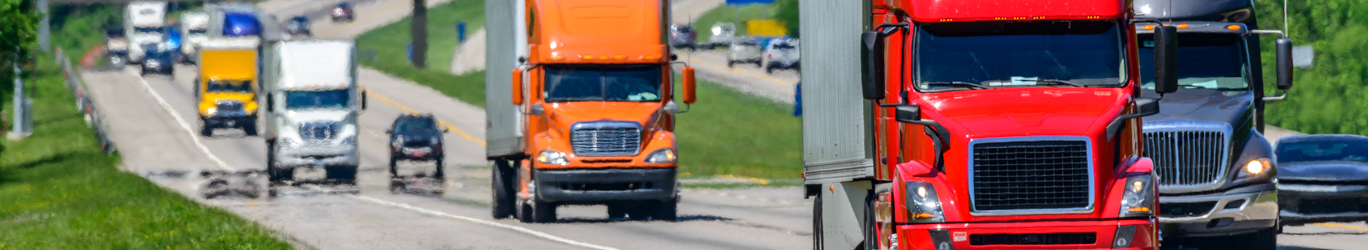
<point x="198" y="31"/>
<point x="1205" y="61"/>
<point x="147" y="30"/>
<point x="239" y="86"/>
<point x="1330" y="150"/>
<point x="614" y="83"/>
<point x="332" y="99"/>
<point x="957" y="56"/>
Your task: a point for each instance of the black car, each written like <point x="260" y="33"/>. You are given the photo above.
<point x="682" y="36"/>
<point x="416" y="138"/>
<point x="159" y="60"/>
<point x="299" y="25"/>
<point x="1322" y="178"/>
<point x="343" y="11"/>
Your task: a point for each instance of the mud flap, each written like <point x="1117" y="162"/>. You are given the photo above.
<point x="843" y="210"/>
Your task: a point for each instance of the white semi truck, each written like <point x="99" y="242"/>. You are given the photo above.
<point x="195" y="28"/>
<point x="144" y="22"/>
<point x="312" y="104"/>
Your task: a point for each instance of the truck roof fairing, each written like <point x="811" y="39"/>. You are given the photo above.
<point x="316" y="64"/>
<point x="593" y="31"/>
<point x="998" y="10"/>
<point x="1198" y="27"/>
<point x="1196" y="10"/>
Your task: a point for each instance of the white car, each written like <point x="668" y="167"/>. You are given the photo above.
<point x="743" y="51"/>
<point x="781" y="54"/>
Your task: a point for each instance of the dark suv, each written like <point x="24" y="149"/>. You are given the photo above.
<point x="415" y="138"/>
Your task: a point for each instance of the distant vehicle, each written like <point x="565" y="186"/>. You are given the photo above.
<point x="174" y="41"/>
<point x="312" y="104"/>
<point x="196" y="26"/>
<point x="299" y="25"/>
<point x="158" y="59"/>
<point x="1321" y="177"/>
<point x="781" y="54"/>
<point x="226" y="85"/>
<point x="416" y="138"/>
<point x="743" y="51"/>
<point x="343" y="11"/>
<point x="682" y="36"/>
<point x="722" y="34"/>
<point x="116" y="47"/>
<point x="240" y="24"/>
<point x="143" y="22"/>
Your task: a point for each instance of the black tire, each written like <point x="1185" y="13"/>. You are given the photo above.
<point x="666" y="210"/>
<point x="439" y="173"/>
<point x="1266" y="239"/>
<point x="641" y="211"/>
<point x="617" y="211"/>
<point x="205" y="130"/>
<point x="731" y="64"/>
<point x="870" y="231"/>
<point x="525" y="213"/>
<point x="393" y="165"/>
<point x="342" y="174"/>
<point x="543" y="211"/>
<point x="758" y="64"/>
<point x="250" y="128"/>
<point x="273" y="173"/>
<point x="503" y="206"/>
<point x="769" y="70"/>
<point x="817" y="222"/>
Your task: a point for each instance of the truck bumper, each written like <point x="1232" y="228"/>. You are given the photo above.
<point x="1238" y="211"/>
<point x="1099" y="234"/>
<point x="1305" y="203"/>
<point x="600" y="186"/>
<point x="317" y="156"/>
<point x="228" y="121"/>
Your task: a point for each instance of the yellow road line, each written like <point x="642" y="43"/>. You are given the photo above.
<point x="1342" y="226"/>
<point x="734" y="70"/>
<point x="369" y="17"/>
<point x="453" y="128"/>
<point x="750" y="179"/>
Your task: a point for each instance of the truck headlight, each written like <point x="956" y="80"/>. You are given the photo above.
<point x="664" y="155"/>
<point x="434" y="141"/>
<point x="1138" y="197"/>
<point x="211" y="111"/>
<point x="288" y="142"/>
<point x="1255" y="167"/>
<point x="923" y="206"/>
<point x="553" y="157"/>
<point x="349" y="140"/>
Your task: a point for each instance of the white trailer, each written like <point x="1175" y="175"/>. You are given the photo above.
<point x="311" y="107"/>
<point x="194" y="27"/>
<point x="143" y="25"/>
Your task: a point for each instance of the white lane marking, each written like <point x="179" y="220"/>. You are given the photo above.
<point x="193" y="136"/>
<point x="221" y="164"/>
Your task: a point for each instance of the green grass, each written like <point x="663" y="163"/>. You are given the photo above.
<point x="60" y="192"/>
<point x="390" y="44"/>
<point x="78" y="28"/>
<point x="729" y="132"/>
<point x="736" y="16"/>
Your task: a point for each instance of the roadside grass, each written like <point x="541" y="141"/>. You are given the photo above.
<point x="78" y="28"/>
<point x="729" y="132"/>
<point x="60" y="192"/>
<point x="390" y="44"/>
<point x="735" y="15"/>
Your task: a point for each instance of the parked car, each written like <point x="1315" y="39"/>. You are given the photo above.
<point x="682" y="36"/>
<point x="722" y="34"/>
<point x="781" y="54"/>
<point x="343" y="11"/>
<point x="159" y="59"/>
<point x="743" y="51"/>
<point x="299" y="25"/>
<point x="1321" y="177"/>
<point x="416" y="138"/>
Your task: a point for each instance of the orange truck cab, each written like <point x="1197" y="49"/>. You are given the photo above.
<point x="586" y="116"/>
<point x="226" y="85"/>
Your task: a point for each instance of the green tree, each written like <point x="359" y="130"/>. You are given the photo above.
<point x="1332" y="95"/>
<point x="786" y="11"/>
<point x="18" y="24"/>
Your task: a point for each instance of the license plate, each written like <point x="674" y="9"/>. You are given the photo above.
<point x="231" y="122"/>
<point x="318" y="163"/>
<point x="417" y="154"/>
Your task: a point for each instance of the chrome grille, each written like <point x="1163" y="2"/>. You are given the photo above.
<point x="317" y="130"/>
<point x="228" y="105"/>
<point x="606" y="138"/>
<point x="1183" y="158"/>
<point x="1032" y="174"/>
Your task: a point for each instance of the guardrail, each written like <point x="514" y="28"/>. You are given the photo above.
<point x="85" y="102"/>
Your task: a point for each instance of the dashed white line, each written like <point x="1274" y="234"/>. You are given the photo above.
<point x="193" y="137"/>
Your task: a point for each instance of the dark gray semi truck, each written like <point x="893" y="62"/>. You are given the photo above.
<point x="1216" y="174"/>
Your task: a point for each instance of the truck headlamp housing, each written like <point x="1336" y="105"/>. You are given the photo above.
<point x="1255" y="167"/>
<point x="288" y="142"/>
<point x="211" y="111"/>
<point x="349" y="140"/>
<point x="664" y="155"/>
<point x="553" y="157"/>
<point x="1137" y="199"/>
<point x="923" y="205"/>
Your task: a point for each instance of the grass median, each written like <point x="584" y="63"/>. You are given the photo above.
<point x="728" y="134"/>
<point x="60" y="192"/>
<point x="390" y="43"/>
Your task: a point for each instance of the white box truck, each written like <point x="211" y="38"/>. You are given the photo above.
<point x="312" y="104"/>
<point x="195" y="27"/>
<point x="144" y="22"/>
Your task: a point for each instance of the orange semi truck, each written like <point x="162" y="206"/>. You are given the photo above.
<point x="586" y="116"/>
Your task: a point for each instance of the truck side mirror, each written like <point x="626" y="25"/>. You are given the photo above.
<point x="1146" y="106"/>
<point x="907" y="113"/>
<point x="538" y="110"/>
<point x="873" y="85"/>
<point x="1284" y="47"/>
<point x="687" y="77"/>
<point x="363" y="99"/>
<point x="1165" y="59"/>
<point x="517" y="87"/>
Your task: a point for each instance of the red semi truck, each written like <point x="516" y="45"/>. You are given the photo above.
<point x="979" y="124"/>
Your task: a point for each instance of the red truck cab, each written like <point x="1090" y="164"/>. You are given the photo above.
<point x="1002" y="125"/>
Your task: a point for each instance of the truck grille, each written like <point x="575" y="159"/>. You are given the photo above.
<point x="1184" y="158"/>
<point x="228" y="105"/>
<point x="317" y="130"/>
<point x="1031" y="174"/>
<point x="606" y="138"/>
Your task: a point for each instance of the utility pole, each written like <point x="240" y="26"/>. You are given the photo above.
<point x="419" y="32"/>
<point x="44" y="27"/>
<point x="23" y="121"/>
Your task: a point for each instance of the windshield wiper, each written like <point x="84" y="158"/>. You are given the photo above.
<point x="959" y="83"/>
<point x="1060" y="82"/>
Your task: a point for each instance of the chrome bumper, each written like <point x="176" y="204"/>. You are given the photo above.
<point x="1250" y="209"/>
<point x="317" y="156"/>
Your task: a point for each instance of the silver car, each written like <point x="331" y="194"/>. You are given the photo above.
<point x="781" y="54"/>
<point x="722" y="33"/>
<point x="743" y="51"/>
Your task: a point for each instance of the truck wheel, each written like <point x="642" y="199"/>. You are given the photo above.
<point x="817" y="222"/>
<point x="731" y="63"/>
<point x="440" y="174"/>
<point x="393" y="165"/>
<point x="503" y="199"/>
<point x="205" y="130"/>
<point x="617" y="211"/>
<point x="273" y="173"/>
<point x="769" y="70"/>
<point x="641" y="211"/>
<point x="250" y="128"/>
<point x="871" y="240"/>
<point x="666" y="210"/>
<point x="1266" y="239"/>
<point x="543" y="211"/>
<point x="342" y="174"/>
